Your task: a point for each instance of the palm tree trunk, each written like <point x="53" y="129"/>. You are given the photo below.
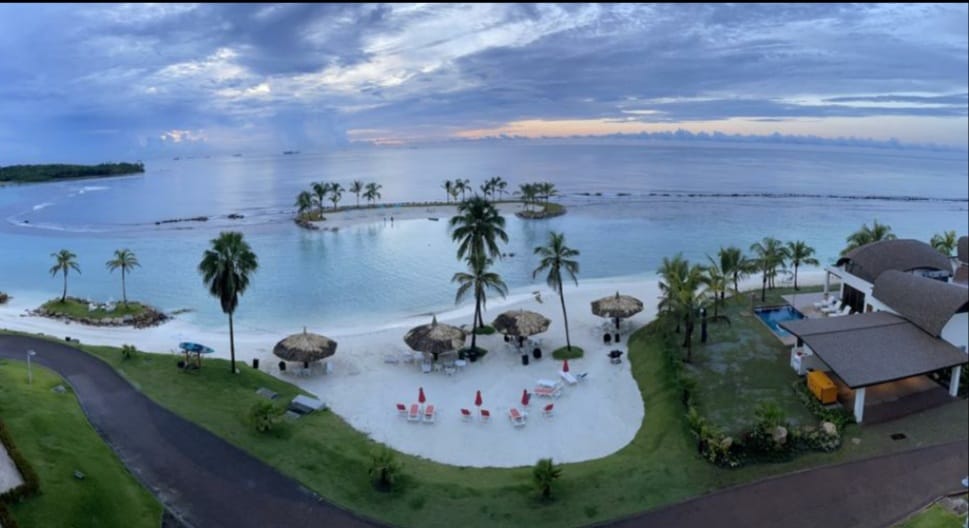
<point x="232" y="346"/>
<point x="565" y="317"/>
<point x="64" y="295"/>
<point x="735" y="289"/>
<point x="763" y="288"/>
<point x="689" y="340"/>
<point x="124" y="292"/>
<point x="795" y="277"/>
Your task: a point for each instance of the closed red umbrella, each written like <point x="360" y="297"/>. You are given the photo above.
<point x="525" y="397"/>
<point x="420" y="395"/>
<point x="477" y="399"/>
<point x="565" y="366"/>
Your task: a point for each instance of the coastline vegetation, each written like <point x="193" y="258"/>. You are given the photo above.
<point x="79" y="310"/>
<point x="51" y="172"/>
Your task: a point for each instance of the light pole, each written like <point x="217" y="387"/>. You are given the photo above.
<point x="30" y="377"/>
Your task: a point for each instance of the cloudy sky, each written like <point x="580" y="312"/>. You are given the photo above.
<point x="115" y="81"/>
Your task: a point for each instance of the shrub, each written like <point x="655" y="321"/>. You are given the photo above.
<point x="771" y="434"/>
<point x="484" y="330"/>
<point x="128" y="351"/>
<point x="544" y="474"/>
<point x="4" y="297"/>
<point x="568" y="353"/>
<point x="384" y="469"/>
<point x="264" y="416"/>
<point x="713" y="445"/>
<point x="838" y="416"/>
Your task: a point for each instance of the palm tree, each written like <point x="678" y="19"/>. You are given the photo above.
<point x="770" y="254"/>
<point x="336" y="193"/>
<point x="448" y="190"/>
<point x="478" y="279"/>
<point x="65" y="261"/>
<point x="304" y="202"/>
<point x="945" y="242"/>
<point x="372" y="193"/>
<point x="687" y="301"/>
<point x="486" y="189"/>
<point x="671" y="272"/>
<point x="225" y="270"/>
<point x="356" y="188"/>
<point x="320" y="190"/>
<point x="556" y="256"/>
<point x="528" y="193"/>
<point x="126" y="260"/>
<point x="477" y="227"/>
<point x="716" y="281"/>
<point x="867" y="235"/>
<point x="734" y="265"/>
<point x="463" y="186"/>
<point x="544" y="474"/>
<point x="454" y="192"/>
<point x="499" y="184"/>
<point x="800" y="253"/>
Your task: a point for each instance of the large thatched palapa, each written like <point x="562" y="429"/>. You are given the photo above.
<point x="435" y="338"/>
<point x="621" y="306"/>
<point x="522" y="323"/>
<point x="305" y="347"/>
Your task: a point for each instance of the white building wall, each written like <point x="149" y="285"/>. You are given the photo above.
<point x="956" y="331"/>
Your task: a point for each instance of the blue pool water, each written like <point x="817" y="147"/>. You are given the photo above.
<point x="773" y="316"/>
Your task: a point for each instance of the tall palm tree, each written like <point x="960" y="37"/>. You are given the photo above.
<point x="477" y="227"/>
<point x="65" y="261"/>
<point x="671" y="272"/>
<point x="800" y="253"/>
<point x="320" y="189"/>
<point x="304" y="202"/>
<point x="556" y="257"/>
<point x="687" y="299"/>
<point x="225" y="269"/>
<point x="478" y="279"/>
<point x="126" y="260"/>
<point x="716" y="281"/>
<point x="500" y="185"/>
<point x="867" y="235"/>
<point x="486" y="188"/>
<point x="769" y="254"/>
<point x="336" y="193"/>
<point x="544" y="474"/>
<point x="734" y="264"/>
<point x="528" y="193"/>
<point x="448" y="188"/>
<point x="945" y="242"/>
<point x="548" y="190"/>
<point x="356" y="188"/>
<point x="372" y="193"/>
<point x="463" y="186"/>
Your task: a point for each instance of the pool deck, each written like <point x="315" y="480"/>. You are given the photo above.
<point x="804" y="303"/>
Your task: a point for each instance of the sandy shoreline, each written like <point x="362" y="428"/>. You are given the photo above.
<point x="382" y="214"/>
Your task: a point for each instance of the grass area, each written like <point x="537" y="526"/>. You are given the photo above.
<point x="78" y="309"/>
<point x="934" y="516"/>
<point x="485" y="330"/>
<point x="568" y="353"/>
<point x="53" y="434"/>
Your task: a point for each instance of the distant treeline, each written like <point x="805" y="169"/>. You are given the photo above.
<point x="39" y="173"/>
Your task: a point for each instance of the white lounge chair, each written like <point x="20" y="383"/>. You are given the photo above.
<point x="415" y="413"/>
<point x="517" y="417"/>
<point x="825" y="303"/>
<point x="429" y="414"/>
<point x="832" y="308"/>
<point x="844" y="311"/>
<point x="568" y="377"/>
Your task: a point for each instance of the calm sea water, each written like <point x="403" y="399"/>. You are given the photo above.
<point x="655" y="201"/>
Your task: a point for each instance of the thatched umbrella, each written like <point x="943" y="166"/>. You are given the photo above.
<point x="305" y="347"/>
<point x="435" y="338"/>
<point x="617" y="307"/>
<point x="522" y="323"/>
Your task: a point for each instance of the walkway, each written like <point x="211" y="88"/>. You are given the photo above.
<point x="210" y="483"/>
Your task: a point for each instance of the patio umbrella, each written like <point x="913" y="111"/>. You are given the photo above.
<point x="420" y="395"/>
<point x="435" y="338"/>
<point x="305" y="347"/>
<point x="617" y="306"/>
<point x="477" y="399"/>
<point x="565" y="366"/>
<point x="525" y="397"/>
<point x="521" y="323"/>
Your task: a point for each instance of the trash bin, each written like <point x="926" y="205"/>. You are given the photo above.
<point x="282" y="366"/>
<point x="255" y="363"/>
<point x="524" y="359"/>
<point x="537" y="353"/>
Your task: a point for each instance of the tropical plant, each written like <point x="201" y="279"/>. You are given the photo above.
<point x="336" y="193"/>
<point x="547" y="190"/>
<point x="945" y="242"/>
<point x="320" y="190"/>
<point x="686" y="299"/>
<point x="356" y="188"/>
<point x="263" y="416"/>
<point x="225" y="270"/>
<point x="671" y="272"/>
<point x="499" y="185"/>
<point x="769" y="254"/>
<point x="477" y="227"/>
<point x="734" y="265"/>
<point x="64" y="262"/>
<point x="304" y="202"/>
<point x="478" y="280"/>
<point x="128" y="351"/>
<point x="462" y="186"/>
<point x="372" y="194"/>
<point x="544" y="474"/>
<point x="487" y="188"/>
<point x="798" y="252"/>
<point x="528" y="194"/>
<point x="866" y="235"/>
<point x="448" y="190"/>
<point x="126" y="260"/>
<point x="557" y="257"/>
<point x="716" y="282"/>
<point x="384" y="469"/>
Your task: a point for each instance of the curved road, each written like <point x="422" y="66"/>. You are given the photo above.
<point x="207" y="482"/>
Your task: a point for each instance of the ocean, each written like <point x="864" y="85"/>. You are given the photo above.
<point x="629" y="206"/>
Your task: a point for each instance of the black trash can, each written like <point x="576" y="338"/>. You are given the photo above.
<point x="537" y="353"/>
<point x="282" y="366"/>
<point x="524" y="359"/>
<point x="255" y="363"/>
<point x="616" y="338"/>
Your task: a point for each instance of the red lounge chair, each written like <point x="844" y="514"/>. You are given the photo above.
<point x="547" y="411"/>
<point x="415" y="413"/>
<point x="485" y="415"/>
<point x="465" y="415"/>
<point x="401" y="409"/>
<point x="429" y="414"/>
<point x="516" y="417"/>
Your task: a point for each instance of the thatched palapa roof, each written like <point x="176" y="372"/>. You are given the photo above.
<point x="435" y="338"/>
<point x="521" y="323"/>
<point x="620" y="306"/>
<point x="871" y="260"/>
<point x="305" y="347"/>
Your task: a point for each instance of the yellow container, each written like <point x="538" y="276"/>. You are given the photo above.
<point x="822" y="387"/>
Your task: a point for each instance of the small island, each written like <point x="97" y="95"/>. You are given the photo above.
<point x="53" y="172"/>
<point x="82" y="311"/>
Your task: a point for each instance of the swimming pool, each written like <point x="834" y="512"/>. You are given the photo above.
<point x="778" y="314"/>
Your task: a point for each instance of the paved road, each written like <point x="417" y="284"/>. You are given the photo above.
<point x="202" y="479"/>
<point x="210" y="483"/>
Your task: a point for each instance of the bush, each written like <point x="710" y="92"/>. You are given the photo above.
<point x="713" y="445"/>
<point x="128" y="351"/>
<point x="468" y="353"/>
<point x="264" y="416"/>
<point x="4" y="297"/>
<point x="544" y="474"/>
<point x="771" y="435"/>
<point x="484" y="330"/>
<point x="384" y="469"/>
<point x="838" y="416"/>
<point x="568" y="353"/>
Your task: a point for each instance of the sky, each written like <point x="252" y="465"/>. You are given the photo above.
<point x="109" y="82"/>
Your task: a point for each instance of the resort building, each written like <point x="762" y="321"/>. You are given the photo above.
<point x="908" y="318"/>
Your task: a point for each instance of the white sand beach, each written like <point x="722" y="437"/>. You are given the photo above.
<point x="9" y="476"/>
<point x="398" y="213"/>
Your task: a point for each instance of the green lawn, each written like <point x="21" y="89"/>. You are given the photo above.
<point x="53" y="434"/>
<point x="934" y="516"/>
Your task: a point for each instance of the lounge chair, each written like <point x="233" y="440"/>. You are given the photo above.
<point x="516" y="417"/>
<point x="547" y="411"/>
<point x="466" y="415"/>
<point x="426" y="367"/>
<point x="401" y="410"/>
<point x="824" y="302"/>
<point x="429" y="414"/>
<point x="415" y="413"/>
<point x="548" y="392"/>
<point x="392" y="359"/>
<point x="844" y="311"/>
<point x="568" y="377"/>
<point x="834" y="307"/>
<point x="581" y="376"/>
<point x="485" y="415"/>
<point x="406" y="356"/>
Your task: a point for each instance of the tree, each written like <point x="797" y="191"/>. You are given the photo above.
<point x="304" y="202"/>
<point x="945" y="242"/>
<point x="336" y="193"/>
<point x="687" y="301"/>
<point x="372" y="193"/>
<point x="528" y="193"/>
<point x="65" y="261"/>
<point x="769" y="254"/>
<point x="126" y="260"/>
<point x="544" y="475"/>
<point x="462" y="186"/>
<point x="556" y="257"/>
<point x="320" y="190"/>
<point x="225" y="269"/>
<point x="486" y="188"/>
<point x="384" y="469"/>
<point x="734" y="265"/>
<point x="800" y="253"/>
<point x="356" y="188"/>
<point x="671" y="272"/>
<point x="479" y="280"/>
<point x="716" y="282"/>
<point x="867" y="235"/>
<point x="477" y="227"/>
<point x="499" y="185"/>
<point x="448" y="190"/>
